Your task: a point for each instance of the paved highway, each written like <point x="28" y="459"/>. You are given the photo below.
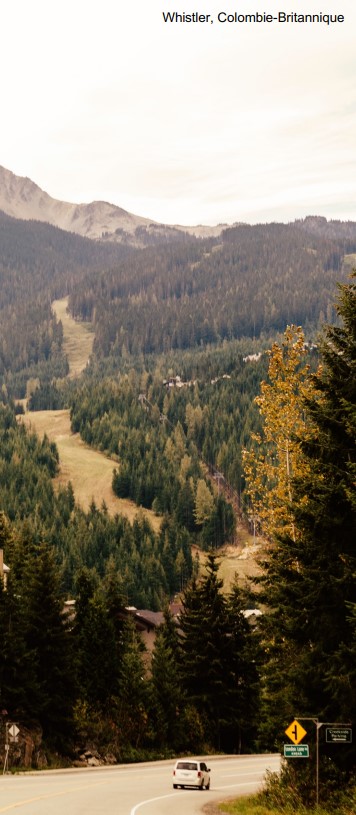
<point x="138" y="789"/>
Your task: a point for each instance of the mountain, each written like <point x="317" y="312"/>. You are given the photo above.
<point x="251" y="281"/>
<point x="148" y="288"/>
<point x="23" y="199"/>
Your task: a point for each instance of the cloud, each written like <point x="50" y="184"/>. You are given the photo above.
<point x="175" y="122"/>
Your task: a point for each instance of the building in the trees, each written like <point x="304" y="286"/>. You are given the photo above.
<point x="4" y="570"/>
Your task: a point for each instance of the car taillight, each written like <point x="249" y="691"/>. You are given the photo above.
<point x="199" y="774"/>
<point x="174" y="772"/>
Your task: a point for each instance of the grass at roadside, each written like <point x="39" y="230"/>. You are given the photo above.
<point x="251" y="805"/>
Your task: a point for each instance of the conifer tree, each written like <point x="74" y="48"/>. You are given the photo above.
<point x="46" y="632"/>
<point x="310" y="582"/>
<point x="244" y="668"/>
<point x="133" y="698"/>
<point x="205" y="648"/>
<point x="328" y="519"/>
<point x="97" y="657"/>
<point x="168" y="696"/>
<point x="204" y="502"/>
<point x="17" y="661"/>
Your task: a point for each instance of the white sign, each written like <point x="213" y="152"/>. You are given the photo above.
<point x="13" y="731"/>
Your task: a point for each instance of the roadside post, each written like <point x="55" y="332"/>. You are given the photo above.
<point x="11" y="736"/>
<point x="296" y="733"/>
<point x="336" y="733"/>
<point x="6" y="759"/>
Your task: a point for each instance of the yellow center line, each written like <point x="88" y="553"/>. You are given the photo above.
<point x="53" y="795"/>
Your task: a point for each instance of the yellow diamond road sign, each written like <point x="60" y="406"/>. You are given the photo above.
<point x="295" y="732"/>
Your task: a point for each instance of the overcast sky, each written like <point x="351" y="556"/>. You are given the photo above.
<point x="182" y="123"/>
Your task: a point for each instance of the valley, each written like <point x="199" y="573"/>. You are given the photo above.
<point x="90" y="471"/>
<point x="164" y="391"/>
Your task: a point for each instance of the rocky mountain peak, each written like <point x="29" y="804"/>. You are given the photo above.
<point x="22" y="198"/>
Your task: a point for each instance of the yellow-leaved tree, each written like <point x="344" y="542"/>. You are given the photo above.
<point x="276" y="457"/>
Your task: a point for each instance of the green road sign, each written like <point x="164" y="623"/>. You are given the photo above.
<point x="339" y="735"/>
<point x="296" y="750"/>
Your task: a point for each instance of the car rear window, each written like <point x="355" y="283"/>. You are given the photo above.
<point x="187" y="765"/>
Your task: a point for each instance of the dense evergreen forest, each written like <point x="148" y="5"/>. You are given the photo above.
<point x="249" y="283"/>
<point x="150" y="567"/>
<point x="160" y="429"/>
<point x="39" y="263"/>
<point x="182" y="333"/>
<point x="253" y="280"/>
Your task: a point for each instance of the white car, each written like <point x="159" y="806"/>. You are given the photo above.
<point x="189" y="772"/>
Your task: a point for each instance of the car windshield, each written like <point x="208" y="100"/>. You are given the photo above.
<point x="187" y="765"/>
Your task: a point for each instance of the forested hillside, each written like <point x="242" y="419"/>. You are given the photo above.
<point x="253" y="280"/>
<point x="149" y="569"/>
<point x="182" y="333"/>
<point x="37" y="264"/>
<point x="250" y="282"/>
<point x="153" y="424"/>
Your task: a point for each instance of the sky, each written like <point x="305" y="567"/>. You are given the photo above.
<point x="184" y="123"/>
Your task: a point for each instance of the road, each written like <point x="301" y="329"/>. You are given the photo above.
<point x="139" y="789"/>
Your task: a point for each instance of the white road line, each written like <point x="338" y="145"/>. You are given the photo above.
<point x="150" y="801"/>
<point x="174" y="794"/>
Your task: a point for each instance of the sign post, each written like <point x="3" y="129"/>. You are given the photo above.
<point x="11" y="735"/>
<point x="336" y="733"/>
<point x="7" y="747"/>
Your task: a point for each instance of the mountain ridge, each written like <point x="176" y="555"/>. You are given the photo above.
<point x="22" y="198"/>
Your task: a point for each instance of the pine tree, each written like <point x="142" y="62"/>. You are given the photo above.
<point x="115" y="597"/>
<point x="244" y="667"/>
<point x="204" y="502"/>
<point x="328" y="519"/>
<point x="133" y="698"/>
<point x="97" y="657"/>
<point x="310" y="583"/>
<point x="168" y="697"/>
<point x="46" y="633"/>
<point x="220" y="526"/>
<point x="17" y="674"/>
<point x="205" y="649"/>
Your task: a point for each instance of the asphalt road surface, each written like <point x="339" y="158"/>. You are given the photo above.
<point x="138" y="789"/>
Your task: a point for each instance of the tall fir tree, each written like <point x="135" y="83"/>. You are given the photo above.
<point x="134" y="691"/>
<point x="310" y="582"/>
<point x="97" y="653"/>
<point x="244" y="675"/>
<point x="168" y="696"/>
<point x="50" y="699"/>
<point x="214" y="658"/>
<point x="17" y="661"/>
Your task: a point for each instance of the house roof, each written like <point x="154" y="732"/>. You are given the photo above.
<point x="151" y="618"/>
